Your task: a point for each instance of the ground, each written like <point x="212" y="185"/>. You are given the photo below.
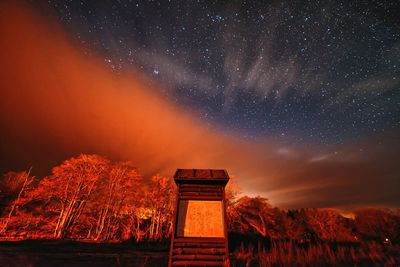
<point x="70" y="253"/>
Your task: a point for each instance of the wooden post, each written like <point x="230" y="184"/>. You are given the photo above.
<point x="199" y="235"/>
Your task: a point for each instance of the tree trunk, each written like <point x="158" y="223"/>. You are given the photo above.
<point x="14" y="205"/>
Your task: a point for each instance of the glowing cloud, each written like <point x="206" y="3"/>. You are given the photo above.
<point x="56" y="102"/>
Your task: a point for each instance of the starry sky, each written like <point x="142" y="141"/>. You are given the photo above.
<point x="298" y="100"/>
<point x="317" y="71"/>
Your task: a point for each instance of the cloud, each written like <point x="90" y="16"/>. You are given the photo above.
<point x="175" y="74"/>
<point x="363" y="172"/>
<point x="255" y="66"/>
<point x="57" y="102"/>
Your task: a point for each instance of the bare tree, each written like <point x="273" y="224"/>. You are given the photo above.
<point x="17" y="182"/>
<point x="160" y="199"/>
<point x="70" y="186"/>
<point x="117" y="193"/>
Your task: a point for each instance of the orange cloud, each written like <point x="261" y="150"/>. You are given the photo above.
<point x="57" y="102"/>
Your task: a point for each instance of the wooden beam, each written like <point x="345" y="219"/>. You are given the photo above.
<point x="199" y="240"/>
<point x="209" y="251"/>
<point x="198" y="257"/>
<point x="197" y="263"/>
<point x="201" y="197"/>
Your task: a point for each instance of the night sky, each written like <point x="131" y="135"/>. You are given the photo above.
<point x="298" y="100"/>
<point x="316" y="71"/>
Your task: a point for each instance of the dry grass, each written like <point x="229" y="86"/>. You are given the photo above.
<point x="323" y="254"/>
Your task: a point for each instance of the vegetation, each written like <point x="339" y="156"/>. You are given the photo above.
<point x="91" y="198"/>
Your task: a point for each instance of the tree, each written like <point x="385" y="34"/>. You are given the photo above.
<point x="255" y="212"/>
<point x="330" y="225"/>
<point x="279" y="225"/>
<point x="117" y="194"/>
<point x="297" y="227"/>
<point x="70" y="187"/>
<point x="160" y="199"/>
<point x="232" y="192"/>
<point x="378" y="224"/>
<point x="13" y="186"/>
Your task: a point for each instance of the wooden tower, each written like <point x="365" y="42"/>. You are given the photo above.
<point x="199" y="234"/>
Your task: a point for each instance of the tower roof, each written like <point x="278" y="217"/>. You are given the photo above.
<point x="201" y="175"/>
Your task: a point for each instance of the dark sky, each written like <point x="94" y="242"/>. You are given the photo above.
<point x="317" y="71"/>
<point x="298" y="100"/>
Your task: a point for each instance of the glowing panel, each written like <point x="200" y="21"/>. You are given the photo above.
<point x="200" y="218"/>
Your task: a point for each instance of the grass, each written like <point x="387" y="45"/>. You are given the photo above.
<point x="37" y="253"/>
<point x="290" y="253"/>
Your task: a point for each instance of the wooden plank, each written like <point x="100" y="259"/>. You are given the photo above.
<point x="203" y="182"/>
<point x="226" y="228"/>
<point x="199" y="257"/>
<point x="200" y="189"/>
<point x="197" y="263"/>
<point x="199" y="245"/>
<point x="209" y="251"/>
<point x="200" y="185"/>
<point x="174" y="226"/>
<point x="201" y="176"/>
<point x="204" y="186"/>
<point x="203" y="173"/>
<point x="201" y="197"/>
<point x="200" y="240"/>
<point x="200" y="193"/>
<point x="206" y="194"/>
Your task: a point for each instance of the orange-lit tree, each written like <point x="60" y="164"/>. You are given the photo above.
<point x="378" y="224"/>
<point x="232" y="192"/>
<point x="13" y="188"/>
<point x="70" y="187"/>
<point x="118" y="194"/>
<point x="252" y="213"/>
<point x="329" y="225"/>
<point x="159" y="200"/>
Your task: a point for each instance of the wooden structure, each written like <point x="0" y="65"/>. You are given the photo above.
<point x="200" y="237"/>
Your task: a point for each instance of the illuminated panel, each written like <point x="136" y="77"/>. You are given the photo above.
<point x="200" y="218"/>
